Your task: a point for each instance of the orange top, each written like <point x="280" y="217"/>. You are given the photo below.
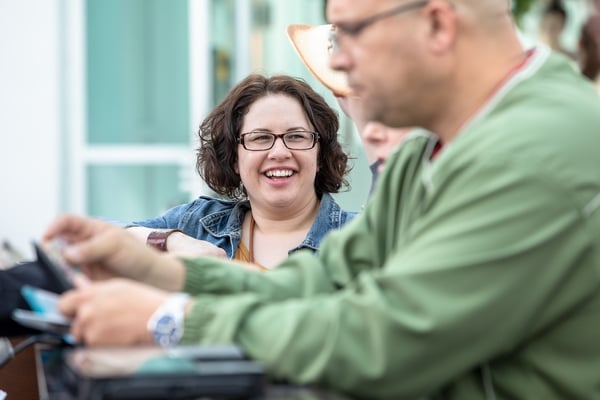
<point x="242" y="254"/>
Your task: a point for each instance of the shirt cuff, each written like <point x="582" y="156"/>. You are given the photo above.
<point x="212" y="275"/>
<point x="196" y="322"/>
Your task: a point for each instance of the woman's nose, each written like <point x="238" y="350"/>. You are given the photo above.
<point x="279" y="149"/>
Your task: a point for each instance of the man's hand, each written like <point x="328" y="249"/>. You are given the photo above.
<point x="113" y="312"/>
<point x="104" y="250"/>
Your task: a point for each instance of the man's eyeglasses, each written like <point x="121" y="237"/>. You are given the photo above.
<point x="354" y="29"/>
<point x="293" y="140"/>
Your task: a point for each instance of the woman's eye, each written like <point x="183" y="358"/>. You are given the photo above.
<point x="260" y="138"/>
<point x="297" y="136"/>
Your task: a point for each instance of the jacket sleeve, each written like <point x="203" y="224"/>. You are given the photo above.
<point x="491" y="249"/>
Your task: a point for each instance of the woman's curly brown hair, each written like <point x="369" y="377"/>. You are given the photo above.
<point x="219" y="133"/>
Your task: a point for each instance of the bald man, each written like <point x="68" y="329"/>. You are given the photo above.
<point x="472" y="273"/>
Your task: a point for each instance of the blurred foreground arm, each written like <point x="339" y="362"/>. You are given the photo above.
<point x="104" y="250"/>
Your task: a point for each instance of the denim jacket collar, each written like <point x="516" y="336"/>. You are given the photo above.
<point x="228" y="222"/>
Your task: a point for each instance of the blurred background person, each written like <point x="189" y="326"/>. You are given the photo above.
<point x="552" y="26"/>
<point x="589" y="49"/>
<point x="379" y="141"/>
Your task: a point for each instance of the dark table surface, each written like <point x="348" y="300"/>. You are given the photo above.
<point x="18" y="376"/>
<point x="51" y="383"/>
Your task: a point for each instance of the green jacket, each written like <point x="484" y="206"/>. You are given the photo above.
<point x="473" y="276"/>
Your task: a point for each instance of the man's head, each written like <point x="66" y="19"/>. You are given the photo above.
<point x="410" y="60"/>
<point x="311" y="44"/>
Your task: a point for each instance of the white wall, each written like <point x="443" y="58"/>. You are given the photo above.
<point x="29" y="118"/>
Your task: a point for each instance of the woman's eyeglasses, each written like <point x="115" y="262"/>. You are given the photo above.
<point x="293" y="140"/>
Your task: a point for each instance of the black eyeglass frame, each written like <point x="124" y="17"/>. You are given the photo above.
<point x="315" y="136"/>
<point x="355" y="28"/>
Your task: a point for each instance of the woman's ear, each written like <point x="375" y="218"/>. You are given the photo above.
<point x="236" y="168"/>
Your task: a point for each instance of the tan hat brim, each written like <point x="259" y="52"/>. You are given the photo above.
<point x="311" y="43"/>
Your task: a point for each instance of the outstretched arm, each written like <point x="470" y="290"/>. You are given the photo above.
<point x="181" y="245"/>
<point x="104" y="250"/>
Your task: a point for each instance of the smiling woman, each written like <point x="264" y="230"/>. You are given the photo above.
<point x="271" y="148"/>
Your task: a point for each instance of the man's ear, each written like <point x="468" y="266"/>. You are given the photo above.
<point x="443" y="25"/>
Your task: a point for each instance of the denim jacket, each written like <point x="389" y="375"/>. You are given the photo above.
<point x="220" y="221"/>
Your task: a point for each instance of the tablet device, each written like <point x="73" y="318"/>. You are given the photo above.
<point x="42" y="322"/>
<point x="44" y="315"/>
<point x="60" y="274"/>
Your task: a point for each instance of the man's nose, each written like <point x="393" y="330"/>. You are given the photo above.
<point x="339" y="60"/>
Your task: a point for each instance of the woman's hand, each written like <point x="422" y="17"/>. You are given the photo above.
<point x="113" y="312"/>
<point x="181" y="245"/>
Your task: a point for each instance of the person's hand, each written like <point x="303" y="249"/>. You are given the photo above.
<point x="104" y="250"/>
<point x="181" y="245"/>
<point x="112" y="312"/>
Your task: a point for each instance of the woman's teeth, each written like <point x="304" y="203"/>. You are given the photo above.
<point x="279" y="173"/>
